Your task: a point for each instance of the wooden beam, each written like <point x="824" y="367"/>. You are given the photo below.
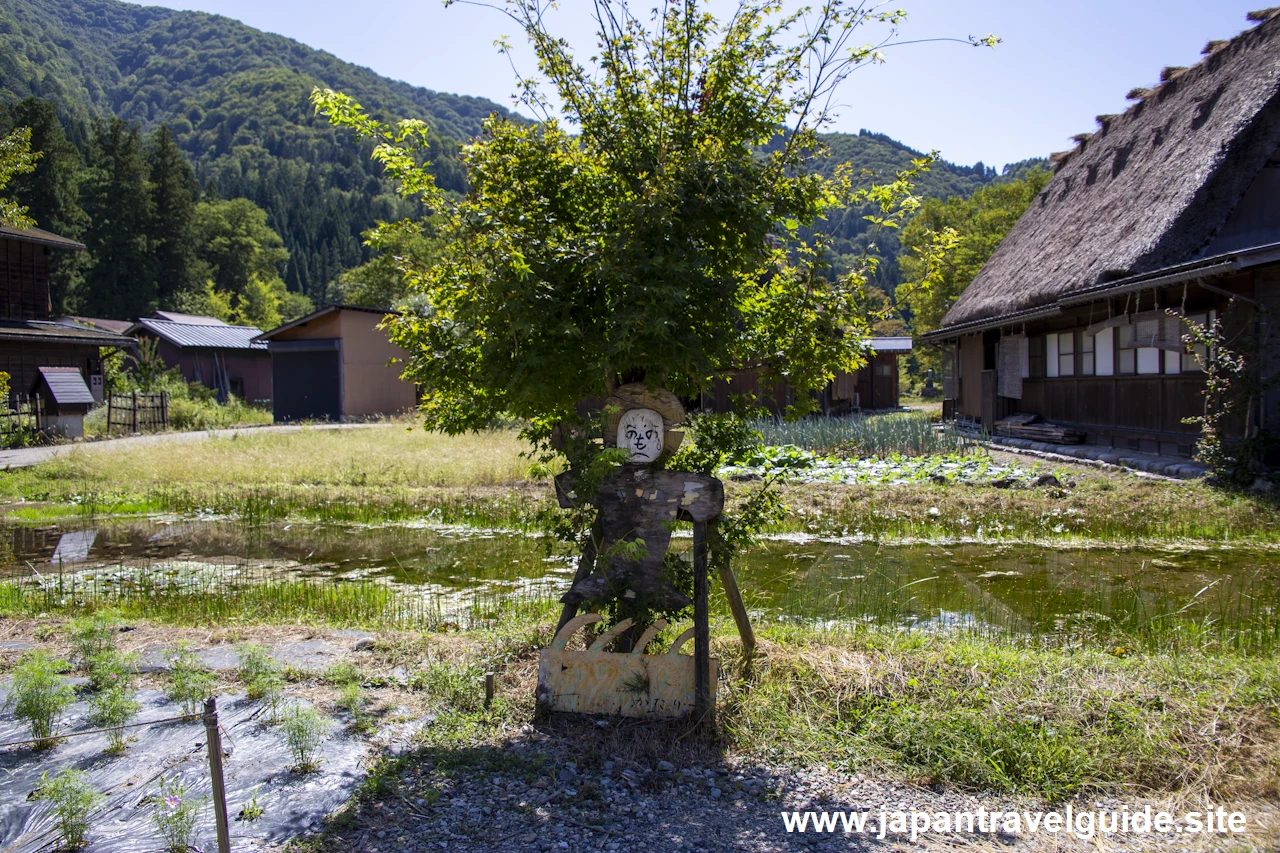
<point x="704" y="709"/>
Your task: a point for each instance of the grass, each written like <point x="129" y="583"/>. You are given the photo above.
<point x="993" y="715"/>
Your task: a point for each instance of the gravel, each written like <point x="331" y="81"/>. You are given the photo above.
<point x="532" y="797"/>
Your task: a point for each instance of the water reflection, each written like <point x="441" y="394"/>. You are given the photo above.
<point x="1008" y="588"/>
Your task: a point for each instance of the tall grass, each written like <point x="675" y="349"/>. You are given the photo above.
<point x="904" y="434"/>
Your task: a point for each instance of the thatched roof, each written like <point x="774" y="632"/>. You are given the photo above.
<point x="1148" y="190"/>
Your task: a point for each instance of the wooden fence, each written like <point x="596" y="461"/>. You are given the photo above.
<point x="20" y="420"/>
<point x="137" y="412"/>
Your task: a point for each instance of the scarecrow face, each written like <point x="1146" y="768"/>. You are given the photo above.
<point x="640" y="431"/>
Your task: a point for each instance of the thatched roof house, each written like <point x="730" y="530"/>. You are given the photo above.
<point x="1167" y="205"/>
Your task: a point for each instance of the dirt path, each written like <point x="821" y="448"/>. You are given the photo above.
<point x="25" y="457"/>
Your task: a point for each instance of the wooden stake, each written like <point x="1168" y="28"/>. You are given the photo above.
<point x="488" y="689"/>
<point x="703" y="708"/>
<point x="214" y="737"/>
<point x="730" y="583"/>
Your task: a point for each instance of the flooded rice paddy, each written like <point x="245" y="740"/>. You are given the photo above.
<point x="424" y="576"/>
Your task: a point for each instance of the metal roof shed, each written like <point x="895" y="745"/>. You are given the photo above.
<point x="64" y="400"/>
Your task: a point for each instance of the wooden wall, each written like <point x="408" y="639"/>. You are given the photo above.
<point x="21" y="358"/>
<point x="24" y="281"/>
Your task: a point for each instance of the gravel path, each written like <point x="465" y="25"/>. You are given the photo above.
<point x="532" y="796"/>
<point x="25" y="457"/>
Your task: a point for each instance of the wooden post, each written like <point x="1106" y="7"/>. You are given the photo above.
<point x="704" y="710"/>
<point x="214" y="738"/>
<point x="110" y="397"/>
<point x="488" y="689"/>
<point x="135" y="412"/>
<point x="164" y="409"/>
<point x="730" y="583"/>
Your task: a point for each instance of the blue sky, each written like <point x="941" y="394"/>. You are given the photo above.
<point x="1060" y="64"/>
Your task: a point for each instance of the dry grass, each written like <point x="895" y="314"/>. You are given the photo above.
<point x="398" y="454"/>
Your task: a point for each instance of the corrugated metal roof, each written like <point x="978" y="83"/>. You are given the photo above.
<point x="47" y="330"/>
<point x="901" y="343"/>
<point x="200" y="335"/>
<point x="38" y="235"/>
<point x="66" y="385"/>
<point x="189" y="319"/>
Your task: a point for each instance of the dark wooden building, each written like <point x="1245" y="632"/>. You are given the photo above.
<point x="874" y="386"/>
<point x="212" y="353"/>
<point x="29" y="339"/>
<point x="335" y="364"/>
<point x="1175" y="204"/>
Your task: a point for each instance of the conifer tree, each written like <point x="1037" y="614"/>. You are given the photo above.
<point x="174" y="193"/>
<point x="51" y="194"/>
<point x="116" y="194"/>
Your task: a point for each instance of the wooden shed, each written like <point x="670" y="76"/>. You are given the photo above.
<point x="208" y="351"/>
<point x="64" y="401"/>
<point x="873" y="386"/>
<point x="335" y="364"/>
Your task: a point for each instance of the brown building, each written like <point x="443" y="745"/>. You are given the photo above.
<point x="29" y="339"/>
<point x="874" y="386"/>
<point x="215" y="354"/>
<point x="335" y="365"/>
<point x="1172" y="206"/>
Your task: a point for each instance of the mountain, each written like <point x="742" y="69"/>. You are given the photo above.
<point x="236" y="100"/>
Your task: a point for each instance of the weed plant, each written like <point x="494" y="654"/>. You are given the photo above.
<point x="112" y="709"/>
<point x="189" y="682"/>
<point x="304" y="732"/>
<point x="39" y="695"/>
<point x="257" y="671"/>
<point x="251" y="810"/>
<point x="73" y="800"/>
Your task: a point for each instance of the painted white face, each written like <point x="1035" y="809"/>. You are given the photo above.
<point x="640" y="431"/>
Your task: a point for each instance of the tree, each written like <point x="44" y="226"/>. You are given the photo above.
<point x="947" y="243"/>
<point x="236" y="243"/>
<point x="116" y="196"/>
<point x="51" y="192"/>
<point x="174" y="193"/>
<point x="15" y="159"/>
<point x="381" y="282"/>
<point x="659" y="242"/>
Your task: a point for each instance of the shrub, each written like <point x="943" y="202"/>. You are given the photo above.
<point x="257" y="671"/>
<point x="113" y="708"/>
<point x="73" y="799"/>
<point x="189" y="682"/>
<point x="94" y="636"/>
<point x="304" y="732"/>
<point x="176" y="815"/>
<point x="39" y="695"/>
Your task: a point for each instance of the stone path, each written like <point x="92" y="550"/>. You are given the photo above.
<point x="1149" y="463"/>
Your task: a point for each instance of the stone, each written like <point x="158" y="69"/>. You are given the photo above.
<point x="364" y="644"/>
<point x="665" y="767"/>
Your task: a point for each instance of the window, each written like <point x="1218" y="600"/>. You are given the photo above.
<point x="1051" y="355"/>
<point x="1035" y="357"/>
<point x="1189" y="363"/>
<point x="1126" y="353"/>
<point x="1086" y="354"/>
<point x="1067" y="354"/>
<point x="1105" y="355"/>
